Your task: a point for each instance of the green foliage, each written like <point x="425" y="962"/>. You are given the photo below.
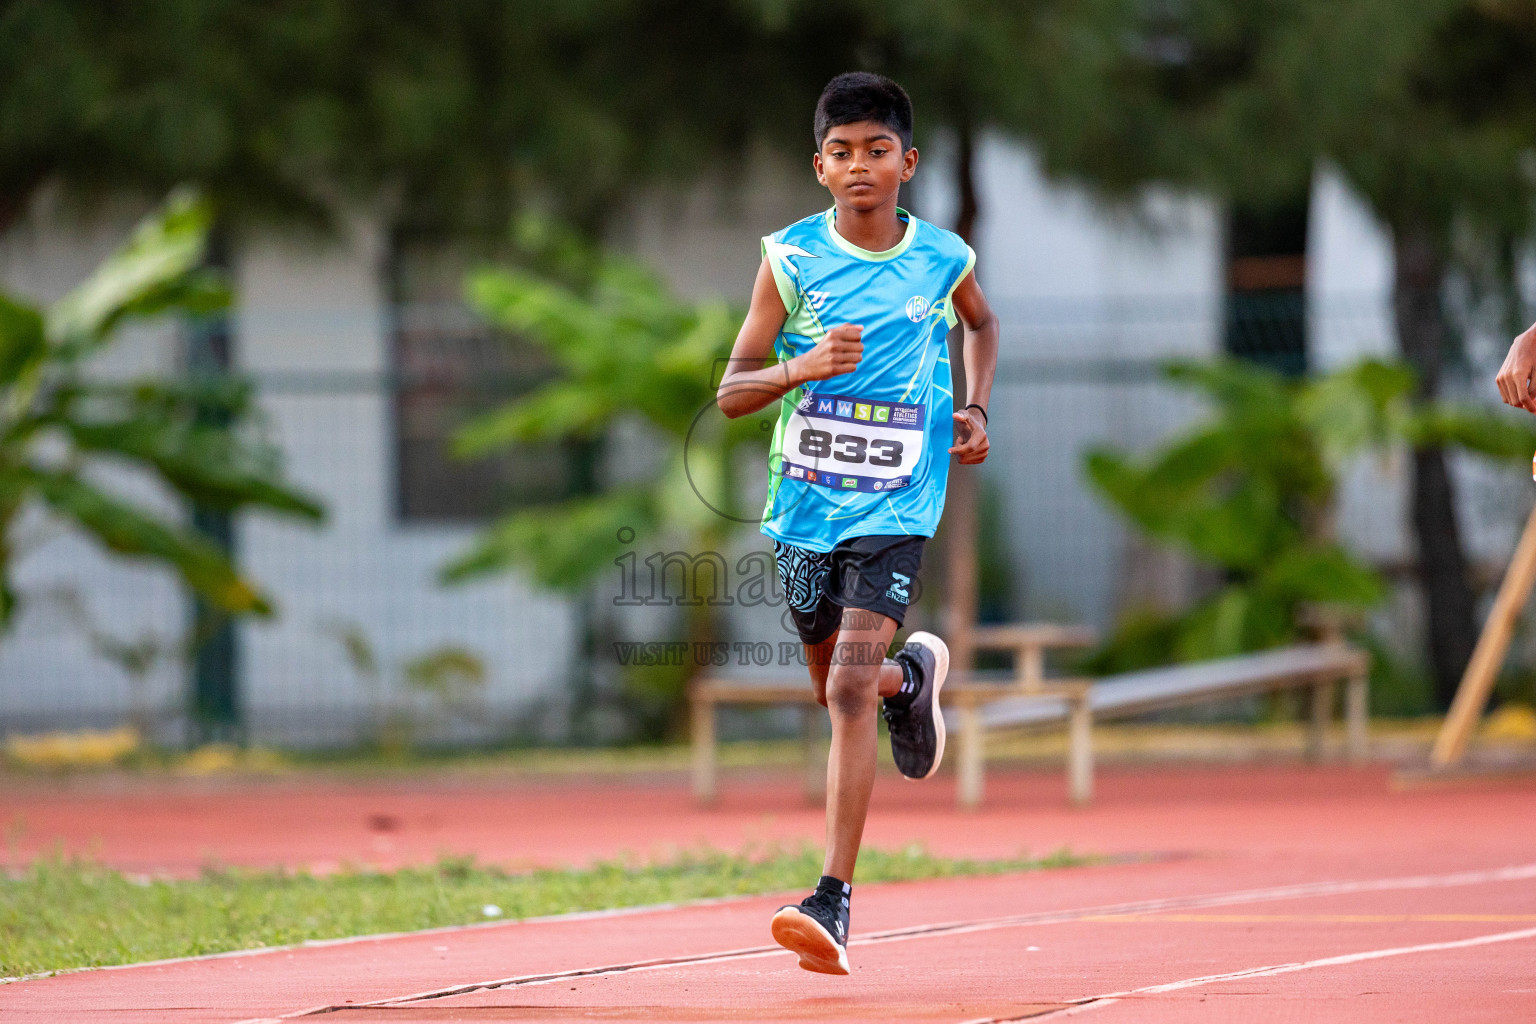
<point x="61" y="914"/>
<point x="454" y="111"/>
<point x="450" y="678"/>
<point x="1250" y="492"/>
<point x="1426" y="107"/>
<point x="628" y="350"/>
<point x="630" y="354"/>
<point x="56" y="422"/>
<point x="1400" y="688"/>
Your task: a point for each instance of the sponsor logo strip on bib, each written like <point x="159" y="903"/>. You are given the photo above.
<point x="847" y="443"/>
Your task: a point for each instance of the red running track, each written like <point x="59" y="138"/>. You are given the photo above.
<point x="1301" y="894"/>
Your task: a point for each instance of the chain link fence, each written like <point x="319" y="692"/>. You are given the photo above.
<point x="368" y="646"/>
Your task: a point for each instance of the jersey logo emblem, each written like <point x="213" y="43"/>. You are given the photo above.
<point x="917" y="309"/>
<point x="790" y="249"/>
<point x="897" y="591"/>
<point x="817" y="298"/>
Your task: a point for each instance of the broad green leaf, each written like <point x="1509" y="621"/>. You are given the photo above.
<point x="157" y="270"/>
<point x="7" y="598"/>
<point x="127" y="530"/>
<point x="446" y="671"/>
<point x="22" y="340"/>
<point x="1189" y="464"/>
<point x="1487" y="432"/>
<point x="210" y="465"/>
<point x="1242" y="528"/>
<point x="1356" y="408"/>
<point x="565" y="544"/>
<point x="1323" y="574"/>
<point x="358" y="649"/>
<point x="578" y="335"/>
<point x="1243" y="388"/>
<point x="559" y="410"/>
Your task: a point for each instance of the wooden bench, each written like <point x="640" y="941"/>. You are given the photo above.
<point x="1080" y="703"/>
<point x="1028" y="642"/>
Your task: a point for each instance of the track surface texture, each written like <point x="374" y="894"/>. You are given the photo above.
<point x="1263" y="893"/>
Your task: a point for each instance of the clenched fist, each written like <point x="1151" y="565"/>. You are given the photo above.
<point x="1514" y="379"/>
<point x="836" y="354"/>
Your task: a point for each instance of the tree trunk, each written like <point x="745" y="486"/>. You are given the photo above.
<point x="960" y="577"/>
<point x="1452" y="626"/>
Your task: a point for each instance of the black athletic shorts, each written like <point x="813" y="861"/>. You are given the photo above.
<point x="877" y="574"/>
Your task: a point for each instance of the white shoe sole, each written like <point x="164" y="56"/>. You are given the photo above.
<point x="940" y="652"/>
<point x="804" y="936"/>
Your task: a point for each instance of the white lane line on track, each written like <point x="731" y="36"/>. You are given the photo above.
<point x="1097" y="1002"/>
<point x="1304" y="890"/>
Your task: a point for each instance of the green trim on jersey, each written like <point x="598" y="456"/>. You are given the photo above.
<point x="950" y="316"/>
<point x="864" y="254"/>
<point x="799" y="309"/>
<point x="776" y="449"/>
<point x="774" y="253"/>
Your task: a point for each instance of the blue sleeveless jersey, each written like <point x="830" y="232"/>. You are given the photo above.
<point x="865" y="453"/>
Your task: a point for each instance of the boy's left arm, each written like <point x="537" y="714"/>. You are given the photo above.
<point x="980" y="349"/>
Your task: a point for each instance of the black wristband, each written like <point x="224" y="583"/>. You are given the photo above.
<point x="984" y="421"/>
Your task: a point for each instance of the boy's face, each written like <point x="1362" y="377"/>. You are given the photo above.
<point x="863" y="164"/>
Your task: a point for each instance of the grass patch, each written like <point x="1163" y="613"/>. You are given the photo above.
<point x="62" y="914"/>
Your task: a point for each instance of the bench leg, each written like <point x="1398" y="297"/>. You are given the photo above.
<point x="1322" y="711"/>
<point x="1080" y="751"/>
<point x="815" y="755"/>
<point x="1357" y="716"/>
<point x="972" y="757"/>
<point x="704" y="751"/>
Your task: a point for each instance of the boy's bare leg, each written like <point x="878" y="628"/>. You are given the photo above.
<point x="819" y="658"/>
<point x="858" y="676"/>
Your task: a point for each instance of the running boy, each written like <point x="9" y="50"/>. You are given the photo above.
<point x="854" y="305"/>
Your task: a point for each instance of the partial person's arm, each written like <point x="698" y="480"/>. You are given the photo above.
<point x="980" y="348"/>
<point x="749" y="383"/>
<point x="1514" y="379"/>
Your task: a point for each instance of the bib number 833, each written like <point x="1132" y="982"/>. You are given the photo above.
<point x="819" y="444"/>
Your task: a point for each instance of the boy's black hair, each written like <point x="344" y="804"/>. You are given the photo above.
<point x="862" y="96"/>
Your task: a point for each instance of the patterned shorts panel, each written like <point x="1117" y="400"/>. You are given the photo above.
<point x="803" y="574"/>
<point x="875" y="573"/>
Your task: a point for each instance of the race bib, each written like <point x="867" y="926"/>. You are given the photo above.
<point x="853" y="444"/>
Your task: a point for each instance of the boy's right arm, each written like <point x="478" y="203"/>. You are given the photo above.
<point x="749" y="383"/>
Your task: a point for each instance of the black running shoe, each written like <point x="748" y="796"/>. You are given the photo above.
<point x="917" y="730"/>
<point x="817" y="929"/>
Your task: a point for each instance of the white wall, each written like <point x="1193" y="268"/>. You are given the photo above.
<point x="1349" y="318"/>
<point x="703" y="238"/>
<point x="313" y="328"/>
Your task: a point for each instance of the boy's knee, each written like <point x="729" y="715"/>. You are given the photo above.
<point x="851" y="689"/>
